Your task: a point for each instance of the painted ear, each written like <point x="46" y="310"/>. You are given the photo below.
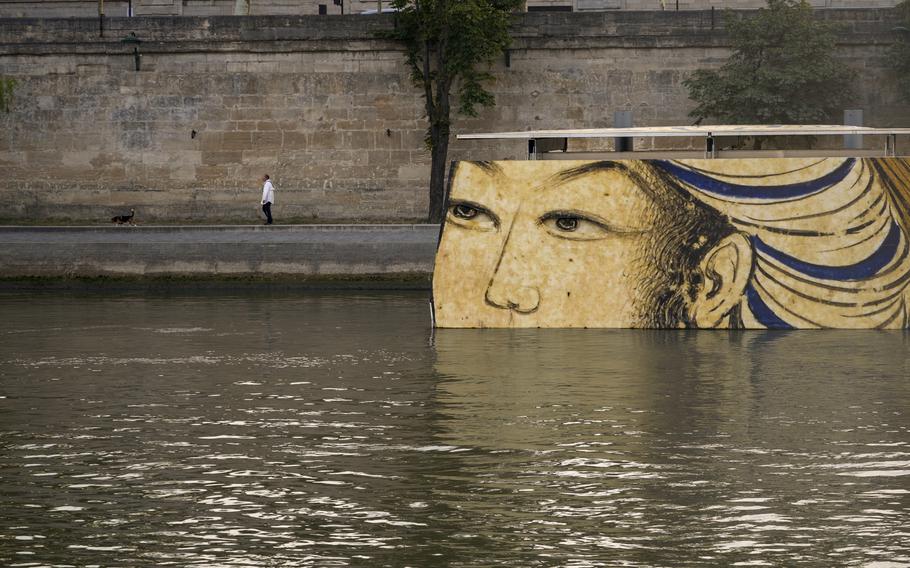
<point x="725" y="272"/>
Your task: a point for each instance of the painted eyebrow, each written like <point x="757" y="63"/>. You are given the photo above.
<point x="566" y="176"/>
<point x="489" y="168"/>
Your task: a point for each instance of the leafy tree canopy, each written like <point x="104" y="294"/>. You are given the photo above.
<point x="449" y="45"/>
<point x="7" y="86"/>
<point x="782" y="70"/>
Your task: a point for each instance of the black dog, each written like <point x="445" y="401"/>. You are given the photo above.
<point x="121" y="219"/>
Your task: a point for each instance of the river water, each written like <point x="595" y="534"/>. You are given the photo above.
<point x="336" y="429"/>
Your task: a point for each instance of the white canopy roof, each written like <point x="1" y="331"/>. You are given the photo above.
<point x="693" y="131"/>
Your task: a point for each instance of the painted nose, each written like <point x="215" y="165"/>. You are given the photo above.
<point x="522" y="299"/>
<point x="508" y="288"/>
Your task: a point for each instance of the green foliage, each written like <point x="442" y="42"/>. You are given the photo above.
<point x="782" y="71"/>
<point x="7" y="86"/>
<point x="449" y="45"/>
<point x="900" y="52"/>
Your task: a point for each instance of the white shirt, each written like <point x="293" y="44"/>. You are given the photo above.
<point x="268" y="195"/>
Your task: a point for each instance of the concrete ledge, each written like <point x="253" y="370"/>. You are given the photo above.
<point x="348" y="27"/>
<point x="296" y="251"/>
<point x="284" y="33"/>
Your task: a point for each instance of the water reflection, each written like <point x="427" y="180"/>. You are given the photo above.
<point x="248" y="431"/>
<point x="728" y="448"/>
<point x="326" y="429"/>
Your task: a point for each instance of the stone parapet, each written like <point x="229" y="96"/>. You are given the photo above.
<point x="304" y="33"/>
<point x="310" y="251"/>
<point x="120" y="8"/>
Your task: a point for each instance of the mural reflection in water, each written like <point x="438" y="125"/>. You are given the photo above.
<point x="661" y="448"/>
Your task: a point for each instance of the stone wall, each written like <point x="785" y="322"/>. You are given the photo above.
<point x="584" y="5"/>
<point x="120" y="8"/>
<point x="325" y="107"/>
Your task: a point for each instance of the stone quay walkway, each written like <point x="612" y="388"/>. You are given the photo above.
<point x="297" y="252"/>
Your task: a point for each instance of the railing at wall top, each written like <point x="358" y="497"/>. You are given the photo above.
<point x="542" y="143"/>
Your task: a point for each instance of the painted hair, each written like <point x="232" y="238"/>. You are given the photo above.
<point x="685" y="229"/>
<point x="828" y="235"/>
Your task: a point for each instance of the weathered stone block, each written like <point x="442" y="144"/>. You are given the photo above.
<point x="359" y="140"/>
<point x="326" y="139"/>
<point x="267" y="140"/>
<point x="291" y="139"/>
<point x="211" y="172"/>
<point x="243" y="125"/>
<point x="217" y="158"/>
<point x="236" y="140"/>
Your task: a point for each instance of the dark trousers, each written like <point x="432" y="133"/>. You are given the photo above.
<point x="267" y="209"/>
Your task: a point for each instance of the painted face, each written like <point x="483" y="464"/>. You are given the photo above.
<point x="524" y="247"/>
<point x="780" y="243"/>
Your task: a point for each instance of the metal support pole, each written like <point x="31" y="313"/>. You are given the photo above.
<point x="622" y="119"/>
<point x="709" y="147"/>
<point x="100" y="18"/>
<point x="853" y="118"/>
<point x="532" y="149"/>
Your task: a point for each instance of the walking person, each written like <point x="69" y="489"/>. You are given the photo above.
<point x="268" y="197"/>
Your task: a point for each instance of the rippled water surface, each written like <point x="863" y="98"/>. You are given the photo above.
<point x="335" y="429"/>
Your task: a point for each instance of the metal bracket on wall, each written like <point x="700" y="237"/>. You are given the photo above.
<point x="891" y="145"/>
<point x="134" y="41"/>
<point x="538" y="146"/>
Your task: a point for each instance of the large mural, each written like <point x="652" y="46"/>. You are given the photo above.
<point x="777" y="243"/>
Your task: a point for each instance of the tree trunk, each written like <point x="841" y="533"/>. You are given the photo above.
<point x="439" y="122"/>
<point x="439" y="138"/>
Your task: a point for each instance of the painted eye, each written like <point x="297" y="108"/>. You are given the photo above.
<point x="472" y="216"/>
<point x="463" y="211"/>
<point x="567" y="224"/>
<point x="575" y="226"/>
